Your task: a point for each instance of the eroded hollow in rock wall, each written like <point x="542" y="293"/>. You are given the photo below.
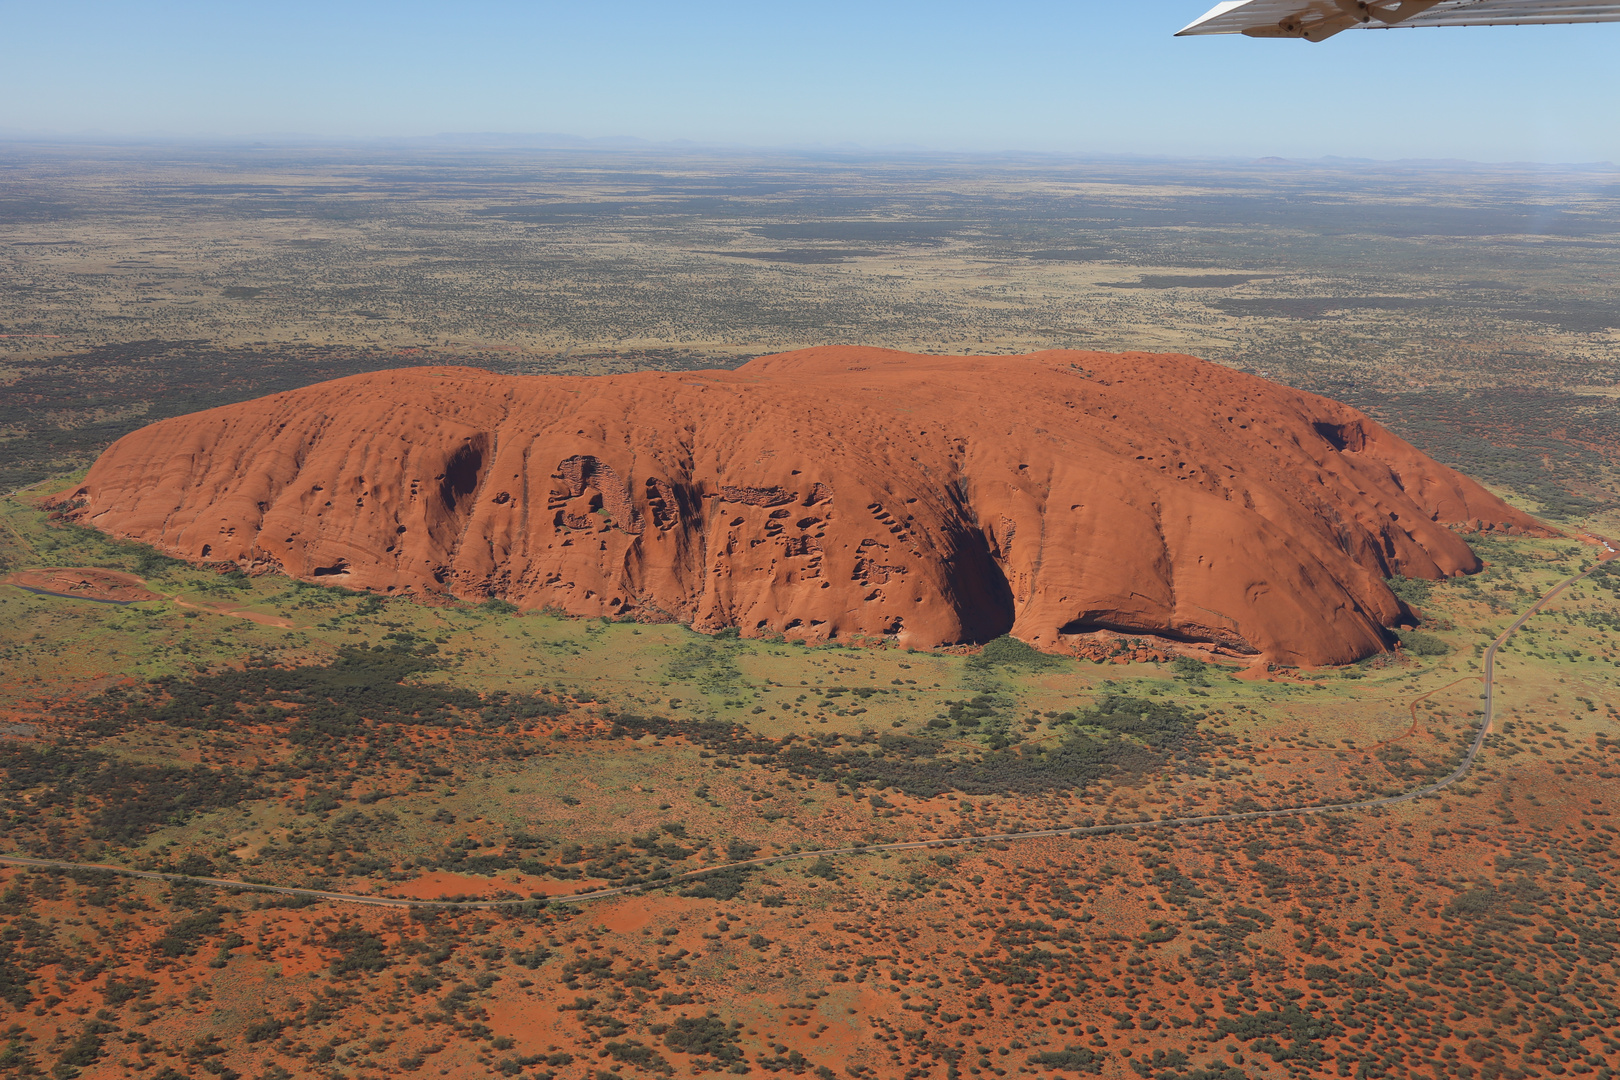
<point x="1229" y="640"/>
<point x="983" y="596"/>
<point x="590" y="486"/>
<point x="463" y="474"/>
<point x="1343" y="437"/>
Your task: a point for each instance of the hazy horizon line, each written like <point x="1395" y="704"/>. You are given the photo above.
<point x="520" y="141"/>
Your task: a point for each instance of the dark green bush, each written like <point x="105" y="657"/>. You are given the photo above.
<point x="1008" y="651"/>
<point x="1418" y="643"/>
<point x="1414" y="591"/>
<point x="708" y="1035"/>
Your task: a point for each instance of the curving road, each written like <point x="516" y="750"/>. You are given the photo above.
<point x="1489" y="677"/>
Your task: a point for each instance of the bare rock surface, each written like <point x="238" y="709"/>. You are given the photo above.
<point x="829" y="493"/>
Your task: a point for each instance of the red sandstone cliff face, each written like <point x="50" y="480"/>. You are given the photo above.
<point x="828" y="493"/>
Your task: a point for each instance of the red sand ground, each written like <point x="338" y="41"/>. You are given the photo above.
<point x="86" y="583"/>
<point x="1384" y="943"/>
<point x="442" y="884"/>
<point x="238" y="613"/>
<point x="834" y="492"/>
<point x="94" y="583"/>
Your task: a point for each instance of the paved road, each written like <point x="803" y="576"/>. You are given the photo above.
<point x="1467" y="763"/>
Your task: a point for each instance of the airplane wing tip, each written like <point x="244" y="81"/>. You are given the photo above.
<point x="1197" y="28"/>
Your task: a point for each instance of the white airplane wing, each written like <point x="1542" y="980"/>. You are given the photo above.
<point x="1315" y="20"/>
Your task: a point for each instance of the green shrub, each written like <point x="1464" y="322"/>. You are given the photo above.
<point x="1418" y="643"/>
<point x="1008" y="651"/>
<point x="823" y="868"/>
<point x="704" y="1035"/>
<point x="1190" y="670"/>
<point x="719" y="885"/>
<point x="1414" y="591"/>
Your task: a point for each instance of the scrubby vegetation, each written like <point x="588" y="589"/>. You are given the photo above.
<point x="1325" y="946"/>
<point x="1419" y="643"/>
<point x="1120" y="735"/>
<point x="473" y="751"/>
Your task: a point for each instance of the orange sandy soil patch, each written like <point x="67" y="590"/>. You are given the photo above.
<point x="85" y="583"/>
<point x="92" y="583"/>
<point x="441" y="884"/>
<point x="239" y="613"/>
<point x="29" y="702"/>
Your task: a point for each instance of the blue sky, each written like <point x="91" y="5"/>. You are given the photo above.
<point x="1084" y="76"/>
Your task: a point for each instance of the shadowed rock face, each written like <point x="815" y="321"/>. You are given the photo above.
<point x="828" y="492"/>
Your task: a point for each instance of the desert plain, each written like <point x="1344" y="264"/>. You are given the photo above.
<point x="806" y="854"/>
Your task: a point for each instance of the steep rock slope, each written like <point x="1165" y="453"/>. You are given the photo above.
<point x="828" y="492"/>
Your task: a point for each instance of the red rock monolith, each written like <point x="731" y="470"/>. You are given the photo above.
<point x="828" y="493"/>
